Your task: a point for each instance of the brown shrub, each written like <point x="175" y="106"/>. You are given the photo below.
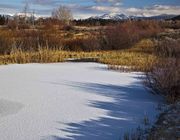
<point x="23" y="26"/>
<point x="119" y="37"/>
<point x="82" y="44"/>
<point x="164" y="75"/>
<point x="68" y="27"/>
<point x="168" y="48"/>
<point x="164" y="78"/>
<point x="148" y="28"/>
<point x="73" y="44"/>
<point x="125" y="34"/>
<point x="170" y="24"/>
<point x="6" y="42"/>
<point x="27" y="40"/>
<point x="12" y="24"/>
<point x="91" y="44"/>
<point x="31" y="40"/>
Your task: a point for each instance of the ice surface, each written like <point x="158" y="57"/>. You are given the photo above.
<point x="71" y="101"/>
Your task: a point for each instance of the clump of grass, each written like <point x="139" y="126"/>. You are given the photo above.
<point x="144" y="46"/>
<point x="136" y="61"/>
<point x="41" y="56"/>
<point x="138" y="58"/>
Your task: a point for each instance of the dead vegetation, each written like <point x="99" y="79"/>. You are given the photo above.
<point x="164" y="75"/>
<point x="133" y="45"/>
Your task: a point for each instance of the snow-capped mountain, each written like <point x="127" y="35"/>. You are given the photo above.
<point x="111" y="16"/>
<point x="114" y="16"/>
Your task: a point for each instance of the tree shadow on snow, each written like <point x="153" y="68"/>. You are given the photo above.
<point x="126" y="110"/>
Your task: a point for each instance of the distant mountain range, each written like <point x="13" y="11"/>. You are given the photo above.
<point x="28" y="15"/>
<point x="111" y="16"/>
<point x="126" y="17"/>
<point x="114" y="16"/>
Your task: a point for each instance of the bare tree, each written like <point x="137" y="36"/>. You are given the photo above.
<point x="62" y="13"/>
<point x="25" y="10"/>
<point x="32" y="18"/>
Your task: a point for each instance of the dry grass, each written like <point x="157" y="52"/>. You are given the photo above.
<point x="135" y="57"/>
<point x="50" y="44"/>
<point x="135" y="61"/>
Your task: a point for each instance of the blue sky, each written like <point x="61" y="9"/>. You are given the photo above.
<point x="87" y="8"/>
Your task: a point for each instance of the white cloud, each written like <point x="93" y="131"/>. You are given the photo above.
<point x="44" y="7"/>
<point x="146" y="11"/>
<point x="154" y="10"/>
<point x="110" y="1"/>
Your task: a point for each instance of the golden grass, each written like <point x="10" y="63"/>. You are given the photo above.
<point x="137" y="61"/>
<point x="138" y="58"/>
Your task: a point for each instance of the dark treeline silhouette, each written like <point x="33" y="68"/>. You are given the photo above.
<point x="176" y="18"/>
<point x="3" y="20"/>
<point x="94" y="22"/>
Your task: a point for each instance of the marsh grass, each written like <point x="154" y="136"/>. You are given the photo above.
<point x="138" y="58"/>
<point x="135" y="58"/>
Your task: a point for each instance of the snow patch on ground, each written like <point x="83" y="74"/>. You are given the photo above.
<point x="71" y="101"/>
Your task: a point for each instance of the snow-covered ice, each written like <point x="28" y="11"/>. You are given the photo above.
<point x="71" y="101"/>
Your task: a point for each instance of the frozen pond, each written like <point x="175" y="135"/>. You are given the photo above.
<point x="71" y="101"/>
